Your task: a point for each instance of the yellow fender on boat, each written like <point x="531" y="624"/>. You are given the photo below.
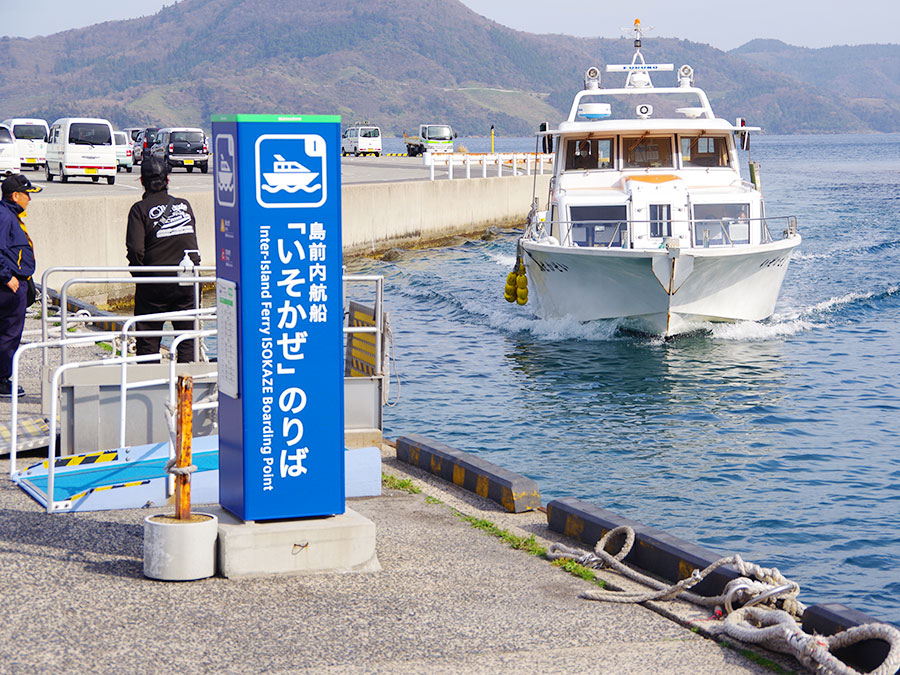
<point x="509" y="292"/>
<point x="521" y="286"/>
<point x="516" y="284"/>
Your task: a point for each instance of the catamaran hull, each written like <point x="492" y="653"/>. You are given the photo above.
<point x="660" y="292"/>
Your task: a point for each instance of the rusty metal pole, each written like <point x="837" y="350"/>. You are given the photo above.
<point x="184" y="423"/>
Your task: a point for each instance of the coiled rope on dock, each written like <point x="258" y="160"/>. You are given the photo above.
<point x="768" y="615"/>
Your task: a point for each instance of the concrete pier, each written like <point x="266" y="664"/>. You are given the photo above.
<point x="448" y="599"/>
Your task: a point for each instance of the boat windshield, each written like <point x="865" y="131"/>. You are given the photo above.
<point x="646" y="152"/>
<point x="704" y="151"/>
<point x="589" y="153"/>
<point x="438" y="133"/>
<point x="631" y="106"/>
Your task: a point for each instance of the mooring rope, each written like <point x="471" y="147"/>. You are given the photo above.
<point x="773" y="625"/>
<point x="179" y="470"/>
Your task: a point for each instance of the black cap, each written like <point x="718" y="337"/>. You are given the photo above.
<point x="18" y="183"/>
<point x="154" y="167"/>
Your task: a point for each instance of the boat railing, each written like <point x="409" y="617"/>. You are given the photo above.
<point x="704" y="232"/>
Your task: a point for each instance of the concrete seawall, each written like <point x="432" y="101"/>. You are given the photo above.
<point x="90" y="231"/>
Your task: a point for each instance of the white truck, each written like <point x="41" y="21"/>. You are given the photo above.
<point x="431" y="138"/>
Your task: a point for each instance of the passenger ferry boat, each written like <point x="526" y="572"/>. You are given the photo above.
<point x="648" y="219"/>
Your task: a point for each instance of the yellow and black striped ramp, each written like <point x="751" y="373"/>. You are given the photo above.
<point x="81" y="460"/>
<point x="654" y="551"/>
<point x="134" y="483"/>
<point x="359" y="361"/>
<point x="512" y="491"/>
<point x="33" y="432"/>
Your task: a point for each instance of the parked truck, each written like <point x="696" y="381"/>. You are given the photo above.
<point x="431" y="138"/>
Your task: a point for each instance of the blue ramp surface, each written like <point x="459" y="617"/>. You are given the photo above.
<point x="118" y="479"/>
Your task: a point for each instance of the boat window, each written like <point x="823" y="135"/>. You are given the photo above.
<point x="704" y="151"/>
<point x="596" y="225"/>
<point x="584" y="153"/>
<point x="721" y="224"/>
<point x="642" y="152"/>
<point x="660" y="220"/>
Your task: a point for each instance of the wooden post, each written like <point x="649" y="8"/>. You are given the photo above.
<point x="184" y="430"/>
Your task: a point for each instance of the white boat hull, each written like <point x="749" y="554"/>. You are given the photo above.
<point x="658" y="292"/>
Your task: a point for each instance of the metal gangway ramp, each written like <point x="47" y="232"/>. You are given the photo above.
<point x="135" y="475"/>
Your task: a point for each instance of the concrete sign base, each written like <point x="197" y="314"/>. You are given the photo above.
<point x="341" y="543"/>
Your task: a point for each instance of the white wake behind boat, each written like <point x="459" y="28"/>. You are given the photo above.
<point x="648" y="219"/>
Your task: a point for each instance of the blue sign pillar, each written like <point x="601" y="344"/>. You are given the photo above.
<point x="279" y="293"/>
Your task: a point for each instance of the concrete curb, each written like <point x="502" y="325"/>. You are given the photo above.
<point x="512" y="491"/>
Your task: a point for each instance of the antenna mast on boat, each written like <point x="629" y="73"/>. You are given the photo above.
<point x="638" y="78"/>
<point x="639" y="70"/>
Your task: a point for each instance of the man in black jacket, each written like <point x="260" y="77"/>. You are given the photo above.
<point x="16" y="266"/>
<point x="160" y="229"/>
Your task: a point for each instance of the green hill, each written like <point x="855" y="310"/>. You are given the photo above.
<point x="400" y="62"/>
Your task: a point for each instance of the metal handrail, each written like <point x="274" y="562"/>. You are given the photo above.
<point x="14" y="379"/>
<point x="197" y="269"/>
<point x="378" y="329"/>
<point x="64" y="292"/>
<point x="123" y="359"/>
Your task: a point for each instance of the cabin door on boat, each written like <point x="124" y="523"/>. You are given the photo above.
<point x="659" y="211"/>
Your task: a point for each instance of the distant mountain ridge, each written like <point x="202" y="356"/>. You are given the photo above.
<point x="402" y="62"/>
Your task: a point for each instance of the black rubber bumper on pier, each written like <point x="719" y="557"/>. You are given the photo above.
<point x="654" y="551"/>
<point x="674" y="559"/>
<point x="512" y="491"/>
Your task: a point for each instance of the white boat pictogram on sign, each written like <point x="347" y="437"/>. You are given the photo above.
<point x="289" y="176"/>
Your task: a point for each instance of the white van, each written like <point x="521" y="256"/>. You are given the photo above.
<point x="9" y="154"/>
<point x="31" y="139"/>
<point x="81" y="146"/>
<point x="361" y="140"/>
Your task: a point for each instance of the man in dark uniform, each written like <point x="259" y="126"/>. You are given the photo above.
<point x="16" y="267"/>
<point x="160" y="229"/>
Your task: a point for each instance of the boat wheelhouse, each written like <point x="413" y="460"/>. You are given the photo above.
<point x="648" y="219"/>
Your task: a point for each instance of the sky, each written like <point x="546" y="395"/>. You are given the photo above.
<point x="723" y="24"/>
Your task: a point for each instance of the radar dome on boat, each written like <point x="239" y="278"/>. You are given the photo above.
<point x="594" y="111"/>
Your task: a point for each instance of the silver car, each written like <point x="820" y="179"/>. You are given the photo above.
<point x="124" y="151"/>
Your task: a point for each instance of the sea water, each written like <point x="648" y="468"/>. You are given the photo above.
<point x="776" y="440"/>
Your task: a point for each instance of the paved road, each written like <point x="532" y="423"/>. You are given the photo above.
<point x="353" y="170"/>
